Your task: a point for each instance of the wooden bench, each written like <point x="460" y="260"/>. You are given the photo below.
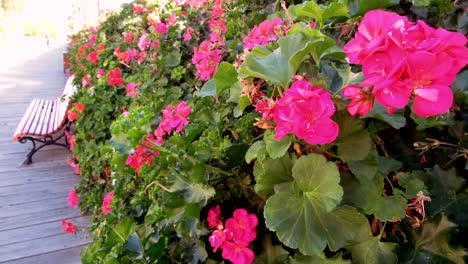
<point x="45" y="122"/>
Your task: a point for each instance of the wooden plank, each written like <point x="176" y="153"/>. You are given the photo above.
<point x="65" y="256"/>
<point x="34" y="218"/>
<point x="27" y="118"/>
<point x="49" y="113"/>
<point x="36" y="117"/>
<point x="36" y="206"/>
<point x="40" y="196"/>
<point x="42" y="114"/>
<point x="41" y="246"/>
<point x="53" y="117"/>
<point x="35" y="186"/>
<point x="38" y="231"/>
<point x="31" y="177"/>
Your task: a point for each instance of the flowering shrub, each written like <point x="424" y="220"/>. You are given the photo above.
<point x="248" y="132"/>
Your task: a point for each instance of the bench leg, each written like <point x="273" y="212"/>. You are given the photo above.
<point x="49" y="140"/>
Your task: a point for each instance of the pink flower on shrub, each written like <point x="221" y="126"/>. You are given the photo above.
<point x="362" y="99"/>
<point x="144" y="42"/>
<point x="235" y="237"/>
<point x="68" y="226"/>
<point x="128" y="37"/>
<point x="237" y="252"/>
<point x="93" y="57"/>
<point x="72" y="198"/>
<point x="161" y="28"/>
<point x="265" y="108"/>
<point x="188" y="34"/>
<point x="106" y="203"/>
<point x="100" y="73"/>
<point x="131" y="90"/>
<point x="137" y="9"/>
<point x="75" y="167"/>
<point x="206" y="60"/>
<point x="262" y="34"/>
<point x="142" y="156"/>
<point x="171" y="20"/>
<point x="175" y="118"/>
<point x="115" y="77"/>
<point x="306" y="111"/>
<point x="214" y="217"/>
<point x="402" y="60"/>
<point x="71" y="139"/>
<point x="86" y="80"/>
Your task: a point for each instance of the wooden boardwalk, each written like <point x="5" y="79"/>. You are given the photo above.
<point x="33" y="197"/>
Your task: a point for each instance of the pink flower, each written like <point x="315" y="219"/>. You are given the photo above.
<point x="188" y="34"/>
<point x="265" y="108"/>
<point x="372" y="35"/>
<point x="144" y="42"/>
<point x="68" y="226"/>
<point x="362" y="100"/>
<point x="175" y="118"/>
<point x="306" y="111"/>
<point x="161" y="28"/>
<point x="156" y="44"/>
<point x="237" y="253"/>
<point x="214" y="217"/>
<point x="75" y="167"/>
<point x="262" y="34"/>
<point x="79" y="107"/>
<point x="206" y="60"/>
<point x="131" y="90"/>
<point x="137" y="9"/>
<point x="71" y="139"/>
<point x="115" y="77"/>
<point x="72" y="115"/>
<point x="100" y="73"/>
<point x="106" y="203"/>
<point x="93" y="57"/>
<point x="72" y="198"/>
<point x="128" y="37"/>
<point x="85" y="81"/>
<point x="242" y="225"/>
<point x="219" y="237"/>
<point x="142" y="156"/>
<point x="172" y="20"/>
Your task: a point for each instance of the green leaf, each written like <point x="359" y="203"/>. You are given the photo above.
<point x="276" y="148"/>
<point x="354" y="142"/>
<point x="119" y="233"/>
<point x="193" y="192"/>
<point x="435" y="239"/>
<point x="363" y="6"/>
<point x="421" y="3"/>
<point x="367" y="195"/>
<point x="208" y="89"/>
<point x="322" y="13"/>
<point x="256" y="151"/>
<point x="278" y="66"/>
<point x="305" y="219"/>
<point x="172" y="59"/>
<point x="274" y="254"/>
<point x="397" y="120"/>
<point x="372" y="251"/>
<point x="271" y="172"/>
<point x="433" y="121"/>
<point x="225" y="77"/>
<point x="411" y="183"/>
<point x="134" y="247"/>
<point x="321" y="258"/>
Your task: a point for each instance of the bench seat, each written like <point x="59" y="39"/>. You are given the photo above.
<point x="45" y="121"/>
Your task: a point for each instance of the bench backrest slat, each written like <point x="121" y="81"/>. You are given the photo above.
<point x="33" y="122"/>
<point x="49" y="107"/>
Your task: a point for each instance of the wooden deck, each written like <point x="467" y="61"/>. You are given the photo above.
<point x="33" y="197"/>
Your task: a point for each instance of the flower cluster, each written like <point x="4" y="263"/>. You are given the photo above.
<point x="131" y="90"/>
<point x="127" y="56"/>
<point x="71" y="139"/>
<point x="208" y="56"/>
<point x="262" y="34"/>
<point x="73" y="199"/>
<point x="75" y="167"/>
<point x="192" y="3"/>
<point x="306" y="111"/>
<point x="106" y="203"/>
<point x="403" y="60"/>
<point x="233" y="238"/>
<point x="174" y="118"/>
<point x="73" y="113"/>
<point x="115" y="77"/>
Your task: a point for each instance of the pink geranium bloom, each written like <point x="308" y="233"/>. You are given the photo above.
<point x="106" y="203"/>
<point x="137" y="9"/>
<point x="206" y="60"/>
<point x="237" y="253"/>
<point x="262" y="34"/>
<point x="188" y="34"/>
<point x="79" y="107"/>
<point x="172" y="20"/>
<point x="219" y="237"/>
<point x="362" y="100"/>
<point x="161" y="28"/>
<point x="429" y="76"/>
<point x="93" y="57"/>
<point x="128" y="37"/>
<point x="144" y="42"/>
<point x="75" y="167"/>
<point x="242" y="225"/>
<point x="131" y="90"/>
<point x="141" y="157"/>
<point x="175" y="118"/>
<point x="86" y="80"/>
<point x="372" y="35"/>
<point x="115" y="77"/>
<point x="100" y="73"/>
<point x="71" y="139"/>
<point x="72" y="198"/>
<point x="68" y="226"/>
<point x="306" y="111"/>
<point x="214" y="217"/>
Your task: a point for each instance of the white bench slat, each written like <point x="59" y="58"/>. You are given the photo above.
<point x="48" y="112"/>
<point x="35" y="117"/>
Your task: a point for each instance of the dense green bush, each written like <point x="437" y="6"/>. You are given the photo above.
<point x="172" y="130"/>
